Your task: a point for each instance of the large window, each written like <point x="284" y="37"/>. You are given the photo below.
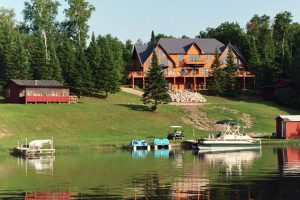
<point x="194" y="58"/>
<point x="161" y="53"/>
<point x="205" y="71"/>
<point x="181" y="57"/>
<point x="207" y="58"/>
<point x="163" y="61"/>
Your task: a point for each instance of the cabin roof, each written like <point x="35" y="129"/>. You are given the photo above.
<point x="37" y="83"/>
<point x="292" y="118"/>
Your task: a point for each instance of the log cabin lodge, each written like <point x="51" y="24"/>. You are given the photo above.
<point x="36" y="91"/>
<point x="186" y="63"/>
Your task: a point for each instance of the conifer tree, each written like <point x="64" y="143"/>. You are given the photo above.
<point x="39" y="66"/>
<point x="127" y="57"/>
<point x="254" y="62"/>
<point x="218" y="73"/>
<point x="94" y="57"/>
<point x="66" y="56"/>
<point x="54" y="65"/>
<point x="152" y="39"/>
<point x="108" y="77"/>
<point x="82" y="81"/>
<point x="155" y="91"/>
<point x="231" y="69"/>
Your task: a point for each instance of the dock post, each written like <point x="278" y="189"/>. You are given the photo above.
<point x="155" y="147"/>
<point x="148" y="148"/>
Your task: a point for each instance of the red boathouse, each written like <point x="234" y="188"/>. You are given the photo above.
<point x="36" y="91"/>
<point x="288" y="126"/>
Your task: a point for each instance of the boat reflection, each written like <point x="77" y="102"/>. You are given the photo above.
<point x="289" y="160"/>
<point x="233" y="161"/>
<point x="139" y="154"/>
<point x="40" y="164"/>
<point x="161" y="153"/>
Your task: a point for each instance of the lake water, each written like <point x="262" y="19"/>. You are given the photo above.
<point x="270" y="173"/>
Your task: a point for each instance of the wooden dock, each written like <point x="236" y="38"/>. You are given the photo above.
<point x="35" y="148"/>
<point x="31" y="152"/>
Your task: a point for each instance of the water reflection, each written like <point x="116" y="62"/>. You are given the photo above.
<point x="41" y="164"/>
<point x="232" y="162"/>
<point x="48" y="196"/>
<point x="174" y="174"/>
<point x="289" y="160"/>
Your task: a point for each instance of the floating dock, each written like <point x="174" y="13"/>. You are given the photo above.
<point x="35" y="148"/>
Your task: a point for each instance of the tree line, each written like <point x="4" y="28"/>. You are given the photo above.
<point x="41" y="47"/>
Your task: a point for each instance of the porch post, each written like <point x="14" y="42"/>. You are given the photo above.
<point x="132" y="82"/>
<point x="194" y="83"/>
<point x="204" y="86"/>
<point x="244" y="82"/>
<point x="174" y="81"/>
<point x="143" y="83"/>
<point x="184" y="82"/>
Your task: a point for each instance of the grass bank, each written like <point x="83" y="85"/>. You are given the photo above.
<point x="113" y="122"/>
<point x="92" y="124"/>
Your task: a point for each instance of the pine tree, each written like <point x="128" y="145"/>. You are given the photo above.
<point x="38" y="61"/>
<point x="108" y="80"/>
<point x="152" y="39"/>
<point x="54" y="65"/>
<point x="254" y="61"/>
<point x="127" y="58"/>
<point x="155" y="91"/>
<point x="231" y="69"/>
<point x="94" y="57"/>
<point x="82" y="81"/>
<point x="218" y="73"/>
<point x="66" y="56"/>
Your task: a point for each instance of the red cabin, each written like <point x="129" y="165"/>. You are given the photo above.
<point x="288" y="126"/>
<point x="36" y="91"/>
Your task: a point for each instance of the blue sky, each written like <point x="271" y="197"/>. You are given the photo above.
<point x="133" y="19"/>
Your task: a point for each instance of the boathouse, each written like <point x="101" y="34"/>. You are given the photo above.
<point x="36" y="91"/>
<point x="288" y="126"/>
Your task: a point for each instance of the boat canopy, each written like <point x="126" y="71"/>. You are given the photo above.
<point x="175" y="126"/>
<point x="39" y="143"/>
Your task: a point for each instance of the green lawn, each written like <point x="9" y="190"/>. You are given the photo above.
<point x="96" y="123"/>
<point x="106" y="123"/>
<point x="261" y="113"/>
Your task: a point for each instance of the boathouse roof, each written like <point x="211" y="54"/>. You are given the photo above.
<point x="37" y="83"/>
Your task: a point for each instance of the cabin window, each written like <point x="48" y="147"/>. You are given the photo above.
<point x="205" y="71"/>
<point x="224" y="61"/>
<point x="181" y="57"/>
<point x="194" y="58"/>
<point x="29" y="93"/>
<point x="162" y="54"/>
<point x="7" y="93"/>
<point x="163" y="62"/>
<point x="207" y="58"/>
<point x="165" y="71"/>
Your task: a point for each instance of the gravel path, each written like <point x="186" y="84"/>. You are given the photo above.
<point x="132" y="91"/>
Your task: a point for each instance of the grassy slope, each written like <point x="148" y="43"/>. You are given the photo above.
<point x="99" y="123"/>
<point x="262" y="113"/>
<point x="92" y="123"/>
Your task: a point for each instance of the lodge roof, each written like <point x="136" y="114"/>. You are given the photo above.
<point x="293" y="118"/>
<point x="182" y="45"/>
<point x="37" y="83"/>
